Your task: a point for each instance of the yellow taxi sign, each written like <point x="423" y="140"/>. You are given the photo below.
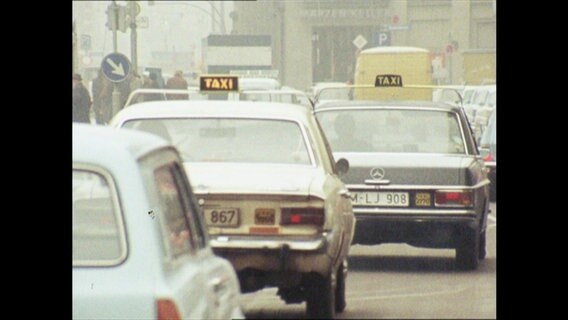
<point x="218" y="83"/>
<point x="388" y="80"/>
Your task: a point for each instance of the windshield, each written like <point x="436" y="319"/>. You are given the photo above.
<point x="391" y="130"/>
<point x="231" y="140"/>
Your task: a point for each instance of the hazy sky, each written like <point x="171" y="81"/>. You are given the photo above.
<point x="173" y="26"/>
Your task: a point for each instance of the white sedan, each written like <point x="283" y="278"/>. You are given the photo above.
<point x="270" y="191"/>
<point x="140" y="248"/>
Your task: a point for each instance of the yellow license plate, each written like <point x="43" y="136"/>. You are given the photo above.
<point x="423" y="199"/>
<point x="264" y="216"/>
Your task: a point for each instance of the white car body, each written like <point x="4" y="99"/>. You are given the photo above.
<point x="296" y="258"/>
<point x="478" y="99"/>
<point x="123" y="266"/>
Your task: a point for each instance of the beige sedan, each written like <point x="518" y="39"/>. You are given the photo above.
<point x="269" y="189"/>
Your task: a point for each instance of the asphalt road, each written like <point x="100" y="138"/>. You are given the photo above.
<point x="403" y="282"/>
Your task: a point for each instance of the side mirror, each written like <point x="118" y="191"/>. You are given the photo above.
<point x="342" y="166"/>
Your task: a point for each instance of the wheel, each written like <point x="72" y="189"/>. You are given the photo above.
<point x="340" y="302"/>
<point x="467" y="250"/>
<point x="320" y="300"/>
<point x="482" y="246"/>
<point x="493" y="193"/>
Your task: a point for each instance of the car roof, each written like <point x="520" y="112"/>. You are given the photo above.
<point x="380" y="103"/>
<point x="104" y="146"/>
<point x="213" y="108"/>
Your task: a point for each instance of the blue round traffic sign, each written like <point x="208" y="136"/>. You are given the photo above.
<point x="116" y="67"/>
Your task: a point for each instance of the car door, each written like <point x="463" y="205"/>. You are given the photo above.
<point x="203" y="285"/>
<point x="343" y="200"/>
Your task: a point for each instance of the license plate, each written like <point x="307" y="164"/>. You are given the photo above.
<point x="388" y="199"/>
<point x="264" y="216"/>
<point x="222" y="217"/>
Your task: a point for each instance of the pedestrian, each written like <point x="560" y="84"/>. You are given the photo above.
<point x="177" y="82"/>
<point x="102" y="98"/>
<point x="152" y="83"/>
<point x="81" y="100"/>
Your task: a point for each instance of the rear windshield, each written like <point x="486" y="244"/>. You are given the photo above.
<point x="390" y="130"/>
<point x="231" y="140"/>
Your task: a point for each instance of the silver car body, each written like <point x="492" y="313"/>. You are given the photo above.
<point x="142" y="278"/>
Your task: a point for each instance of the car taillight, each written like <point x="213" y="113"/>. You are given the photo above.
<point x="167" y="310"/>
<point x="488" y="157"/>
<point x="302" y="216"/>
<point x="453" y="198"/>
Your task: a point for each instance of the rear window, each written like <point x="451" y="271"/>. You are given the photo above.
<point x="232" y="139"/>
<point x="178" y="231"/>
<point x="98" y="234"/>
<point x="392" y="130"/>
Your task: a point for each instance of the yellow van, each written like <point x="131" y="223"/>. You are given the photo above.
<point x="413" y="65"/>
<point x="479" y="66"/>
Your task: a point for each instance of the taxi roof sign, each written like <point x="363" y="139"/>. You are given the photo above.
<point x="219" y="83"/>
<point x="388" y="80"/>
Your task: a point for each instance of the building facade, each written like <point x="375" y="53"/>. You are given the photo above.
<point x="315" y="41"/>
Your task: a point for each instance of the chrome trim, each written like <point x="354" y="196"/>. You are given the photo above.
<point x="119" y="215"/>
<point x="377" y="182"/>
<point x="395" y="211"/>
<point x="355" y="187"/>
<point x="257" y="243"/>
<point x="491" y="164"/>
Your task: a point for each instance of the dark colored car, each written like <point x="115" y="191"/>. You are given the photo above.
<point x="488" y="149"/>
<point x="415" y="174"/>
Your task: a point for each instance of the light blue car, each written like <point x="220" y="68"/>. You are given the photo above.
<point x="140" y="248"/>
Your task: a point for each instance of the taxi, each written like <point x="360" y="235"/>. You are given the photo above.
<point x="415" y="174"/>
<point x="270" y="192"/>
<point x="140" y="247"/>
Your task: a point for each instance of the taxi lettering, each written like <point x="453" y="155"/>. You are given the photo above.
<point x="218" y="83"/>
<point x="388" y="80"/>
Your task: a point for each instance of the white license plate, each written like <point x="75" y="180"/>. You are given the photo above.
<point x="222" y="217"/>
<point x="388" y="199"/>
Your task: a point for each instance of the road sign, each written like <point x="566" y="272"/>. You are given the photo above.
<point x="399" y="27"/>
<point x="381" y="39"/>
<point x="359" y="41"/>
<point x="116" y="67"/>
<point x="142" y="22"/>
<point x="85" y="42"/>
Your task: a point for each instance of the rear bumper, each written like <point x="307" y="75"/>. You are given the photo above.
<point x="434" y="229"/>
<point x="278" y="254"/>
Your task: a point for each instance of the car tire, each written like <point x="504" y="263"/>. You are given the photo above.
<point x="340" y="302"/>
<point x="467" y="250"/>
<point x="320" y="300"/>
<point x="493" y="192"/>
<point x="482" y="246"/>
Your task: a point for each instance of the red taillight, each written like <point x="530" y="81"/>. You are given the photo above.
<point x="488" y="157"/>
<point x="302" y="216"/>
<point x="167" y="310"/>
<point x="462" y="198"/>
